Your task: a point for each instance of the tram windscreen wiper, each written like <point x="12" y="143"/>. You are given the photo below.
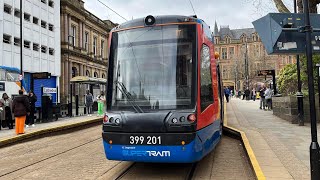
<point x="124" y="90"/>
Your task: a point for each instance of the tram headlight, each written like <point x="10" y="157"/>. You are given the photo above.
<point x="182" y="119"/>
<point x="117" y="121"/>
<point x="174" y="120"/>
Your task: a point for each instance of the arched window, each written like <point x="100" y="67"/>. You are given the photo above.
<point x="74" y="72"/>
<point x="88" y="73"/>
<point x="103" y="76"/>
<point x="96" y="75"/>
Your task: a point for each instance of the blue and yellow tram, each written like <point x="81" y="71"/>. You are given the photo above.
<point x="164" y="101"/>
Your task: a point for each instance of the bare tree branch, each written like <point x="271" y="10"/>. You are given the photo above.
<point x="281" y="7"/>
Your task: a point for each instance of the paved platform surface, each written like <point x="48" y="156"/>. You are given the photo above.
<point x="281" y="148"/>
<point x="6" y="133"/>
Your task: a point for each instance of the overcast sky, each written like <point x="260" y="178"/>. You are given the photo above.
<point x="235" y="13"/>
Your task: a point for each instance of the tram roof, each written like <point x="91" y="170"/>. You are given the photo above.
<point x="12" y="69"/>
<point x="163" y="19"/>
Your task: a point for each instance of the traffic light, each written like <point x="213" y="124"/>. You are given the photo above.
<point x="283" y="33"/>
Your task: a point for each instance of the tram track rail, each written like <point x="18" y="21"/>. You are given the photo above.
<point x="50" y="157"/>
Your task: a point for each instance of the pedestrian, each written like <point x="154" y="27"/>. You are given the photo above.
<point x="247" y="94"/>
<point x="268" y="98"/>
<point x="6" y="104"/>
<point x="239" y="94"/>
<point x="262" y="97"/>
<point x="227" y="93"/>
<point x="88" y="101"/>
<point x="101" y="103"/>
<point x="20" y="109"/>
<point x="254" y="94"/>
<point x="32" y="100"/>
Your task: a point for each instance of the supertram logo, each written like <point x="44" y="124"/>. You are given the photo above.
<point x="146" y="153"/>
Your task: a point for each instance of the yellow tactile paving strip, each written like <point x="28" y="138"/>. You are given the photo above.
<point x="254" y="162"/>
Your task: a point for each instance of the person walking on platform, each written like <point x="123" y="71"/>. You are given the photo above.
<point x="101" y="103"/>
<point x="88" y="102"/>
<point x="247" y="94"/>
<point x="262" y="97"/>
<point x="227" y="93"/>
<point x="254" y="94"/>
<point x="6" y="104"/>
<point x="20" y="109"/>
<point x="268" y="98"/>
<point x="32" y="100"/>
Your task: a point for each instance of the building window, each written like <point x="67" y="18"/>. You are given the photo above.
<point x="44" y="1"/>
<point x="103" y="76"/>
<point x="86" y="41"/>
<point x="27" y="17"/>
<point x="6" y="38"/>
<point x="96" y="74"/>
<point x="88" y="73"/>
<point x="231" y="52"/>
<point x="35" y="47"/>
<point x="43" y="24"/>
<point x="51" y="3"/>
<point x="17" y="13"/>
<point x="44" y="49"/>
<point x="51" y="51"/>
<point x="50" y="27"/>
<point x="206" y="92"/>
<point x="73" y="35"/>
<point x="7" y="9"/>
<point x="35" y="20"/>
<point x="95" y="46"/>
<point x="102" y="49"/>
<point x="16" y="41"/>
<point x="224" y="53"/>
<point x="26" y="44"/>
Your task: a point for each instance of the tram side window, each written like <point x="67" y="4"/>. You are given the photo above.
<point x="206" y="92"/>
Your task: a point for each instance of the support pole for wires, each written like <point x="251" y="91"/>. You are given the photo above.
<point x="21" y="50"/>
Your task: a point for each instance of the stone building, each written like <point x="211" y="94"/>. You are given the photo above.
<point x="84" y="46"/>
<point x="237" y="45"/>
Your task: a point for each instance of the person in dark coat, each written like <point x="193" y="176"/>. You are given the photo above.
<point x="6" y="104"/>
<point x="20" y="109"/>
<point x="32" y="100"/>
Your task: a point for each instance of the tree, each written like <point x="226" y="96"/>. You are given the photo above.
<point x="282" y="8"/>
<point x="287" y="79"/>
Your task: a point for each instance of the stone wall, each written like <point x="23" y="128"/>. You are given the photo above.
<point x="287" y="108"/>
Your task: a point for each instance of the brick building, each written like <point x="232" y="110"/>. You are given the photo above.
<point x="237" y="45"/>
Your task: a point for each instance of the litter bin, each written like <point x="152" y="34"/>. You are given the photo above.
<point x="46" y="107"/>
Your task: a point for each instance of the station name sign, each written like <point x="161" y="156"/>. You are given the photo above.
<point x="41" y="75"/>
<point x="266" y="72"/>
<point x="47" y="90"/>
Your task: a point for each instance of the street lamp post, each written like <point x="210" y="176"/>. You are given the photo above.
<point x="68" y="79"/>
<point x="246" y="66"/>
<point x="21" y="50"/>
<point x="299" y="93"/>
<point x="314" y="146"/>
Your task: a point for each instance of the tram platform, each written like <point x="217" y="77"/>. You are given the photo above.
<point x="8" y="136"/>
<point x="280" y="148"/>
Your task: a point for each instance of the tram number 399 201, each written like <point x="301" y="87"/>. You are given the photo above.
<point x="150" y="140"/>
